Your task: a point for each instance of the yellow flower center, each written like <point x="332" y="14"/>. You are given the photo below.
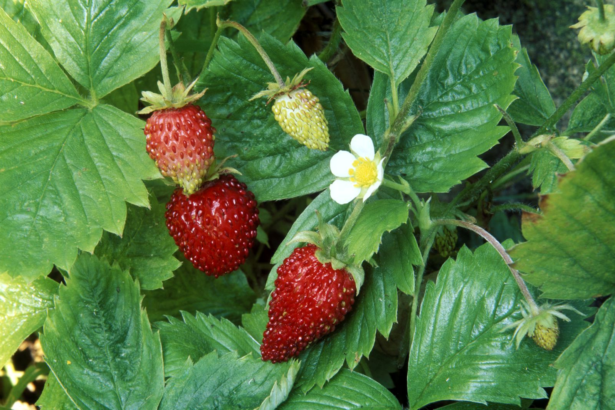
<point x="364" y="172"/>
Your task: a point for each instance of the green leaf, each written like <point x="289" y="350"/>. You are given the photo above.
<point x="570" y="247"/>
<point x="104" y="44"/>
<point x="125" y="98"/>
<point x="31" y="83"/>
<point x="226" y="382"/>
<point x="201" y="4"/>
<point x="64" y="178"/>
<point x="18" y="11"/>
<point x="475" y="406"/>
<point x="376" y="218"/>
<point x="545" y="167"/>
<point x="192" y="291"/>
<point x="197" y="336"/>
<point x="535" y="104"/>
<point x="279" y="18"/>
<point x="588" y="114"/>
<point x="146" y="249"/>
<point x="459" y="349"/>
<point x="586" y="377"/>
<point x="54" y="397"/>
<point x="255" y="322"/>
<point x="348" y="390"/>
<point x="281" y="391"/>
<point x="374" y="310"/>
<point x="273" y="165"/>
<point x="23" y="310"/>
<point x="473" y="70"/>
<point x="399" y="251"/>
<point x="390" y="35"/>
<point x="197" y="30"/>
<point x="98" y="342"/>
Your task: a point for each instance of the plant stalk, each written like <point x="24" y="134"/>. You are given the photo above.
<point x="163" y="58"/>
<point x="257" y="46"/>
<point x="513" y="127"/>
<point x="600" y="4"/>
<point x="397" y="127"/>
<point x="500" y="249"/>
<point x="352" y="219"/>
<point x="176" y="60"/>
<point x="419" y="280"/>
<point x="555" y="150"/>
<point x="596" y="130"/>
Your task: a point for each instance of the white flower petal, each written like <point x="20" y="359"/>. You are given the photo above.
<point x="371" y="190"/>
<point x="381" y="170"/>
<point x="363" y="146"/>
<point x="343" y="192"/>
<point x="341" y="163"/>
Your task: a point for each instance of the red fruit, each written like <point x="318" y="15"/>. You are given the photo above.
<point x="215" y="227"/>
<point x="309" y="300"/>
<point x="181" y="141"/>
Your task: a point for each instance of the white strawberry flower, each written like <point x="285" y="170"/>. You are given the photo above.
<point x="358" y="173"/>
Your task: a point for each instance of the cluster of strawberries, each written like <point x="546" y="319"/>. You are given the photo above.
<point x="213" y="217"/>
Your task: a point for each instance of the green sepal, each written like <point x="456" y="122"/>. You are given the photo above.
<point x="179" y="97"/>
<point x="273" y="89"/>
<point x="358" y="274"/>
<point x="307" y="237"/>
<point x="337" y="264"/>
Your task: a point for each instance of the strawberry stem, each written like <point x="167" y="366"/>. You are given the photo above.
<point x="176" y="60"/>
<point x="352" y="219"/>
<point x="257" y="46"/>
<point x="498" y="247"/>
<point x="163" y="58"/>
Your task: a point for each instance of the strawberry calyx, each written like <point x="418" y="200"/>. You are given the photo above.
<point x="179" y="96"/>
<point x="331" y="250"/>
<point x="275" y="90"/>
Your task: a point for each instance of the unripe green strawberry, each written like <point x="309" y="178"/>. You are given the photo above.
<point x="300" y="115"/>
<point x="599" y="34"/>
<point x="298" y="112"/>
<point x="546" y="337"/>
<point x="446" y="242"/>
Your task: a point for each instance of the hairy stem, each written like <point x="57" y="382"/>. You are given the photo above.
<point x="163" y="58"/>
<point x="176" y="60"/>
<point x="498" y="247"/>
<point x="561" y="155"/>
<point x="600" y="4"/>
<point x="513" y="206"/>
<point x="257" y="46"/>
<point x="596" y="130"/>
<point x="513" y="127"/>
<point x="334" y="43"/>
<point x="576" y="95"/>
<point x="397" y="127"/>
<point x="419" y="280"/>
<point x="352" y="219"/>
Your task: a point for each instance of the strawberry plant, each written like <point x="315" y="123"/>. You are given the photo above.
<point x="200" y="211"/>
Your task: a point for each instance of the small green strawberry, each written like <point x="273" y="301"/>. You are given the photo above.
<point x="299" y="112"/>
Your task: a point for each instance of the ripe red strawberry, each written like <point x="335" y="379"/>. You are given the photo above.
<point x="309" y="300"/>
<point x="181" y="141"/>
<point x="215" y="227"/>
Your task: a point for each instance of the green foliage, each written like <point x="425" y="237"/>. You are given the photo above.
<point x="54" y="397"/>
<point x="348" y="390"/>
<point x="552" y="257"/>
<point x="545" y="168"/>
<point x="98" y="342"/>
<point x="23" y="310"/>
<point x="146" y="249"/>
<point x="67" y="175"/>
<point x="192" y="291"/>
<point x="391" y="36"/>
<point x="87" y="44"/>
<point x="586" y="375"/>
<point x="31" y="83"/>
<point x="225" y="382"/>
<point x="399" y="251"/>
<point x="197" y="336"/>
<point x="473" y="70"/>
<point x="535" y="104"/>
<point x="376" y="218"/>
<point x="459" y="349"/>
<point x="272" y="164"/>
<point x="281" y="391"/>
